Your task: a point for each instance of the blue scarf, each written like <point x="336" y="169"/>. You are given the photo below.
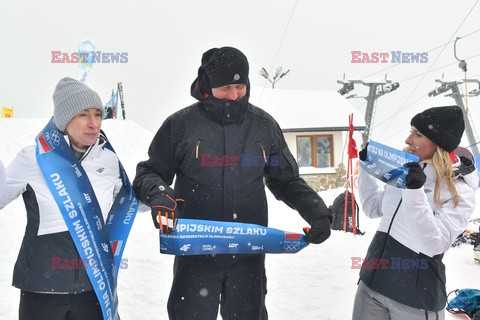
<point x="75" y="197"/>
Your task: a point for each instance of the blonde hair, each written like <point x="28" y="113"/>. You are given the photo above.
<point x="444" y="172"/>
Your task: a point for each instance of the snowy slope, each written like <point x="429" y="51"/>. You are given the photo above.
<point x="316" y="283"/>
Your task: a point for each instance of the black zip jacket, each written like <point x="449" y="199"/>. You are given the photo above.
<point x="221" y="152"/>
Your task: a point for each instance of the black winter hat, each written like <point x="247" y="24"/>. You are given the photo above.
<point x="220" y="67"/>
<point x="443" y="125"/>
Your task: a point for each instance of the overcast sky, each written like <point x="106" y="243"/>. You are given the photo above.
<point x="165" y="40"/>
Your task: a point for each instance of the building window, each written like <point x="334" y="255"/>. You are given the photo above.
<point x="315" y="151"/>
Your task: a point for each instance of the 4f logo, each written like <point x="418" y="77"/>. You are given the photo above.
<point x="185" y="247"/>
<point x="105" y="247"/>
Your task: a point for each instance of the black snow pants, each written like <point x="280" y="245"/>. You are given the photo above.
<point x="237" y="284"/>
<point x="41" y="306"/>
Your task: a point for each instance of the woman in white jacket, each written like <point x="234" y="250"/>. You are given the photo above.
<point x="403" y="276"/>
<point x="49" y="270"/>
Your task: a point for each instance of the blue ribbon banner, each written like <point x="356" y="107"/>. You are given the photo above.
<point x="386" y="164"/>
<point x="195" y="237"/>
<point x="75" y="197"/>
<point x="121" y="216"/>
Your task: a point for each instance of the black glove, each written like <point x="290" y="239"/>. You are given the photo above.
<point x="416" y="177"/>
<point x="467" y="162"/>
<point x="362" y="155"/>
<point x="164" y="211"/>
<point x="320" y="230"/>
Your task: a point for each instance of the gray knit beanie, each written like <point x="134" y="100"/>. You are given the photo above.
<point x="70" y="98"/>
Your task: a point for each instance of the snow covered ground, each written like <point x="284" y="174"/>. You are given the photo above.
<point x="315" y="284"/>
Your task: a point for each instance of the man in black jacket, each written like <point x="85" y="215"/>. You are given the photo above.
<point x="221" y="149"/>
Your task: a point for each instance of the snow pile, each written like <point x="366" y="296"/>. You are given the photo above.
<point x="316" y="283"/>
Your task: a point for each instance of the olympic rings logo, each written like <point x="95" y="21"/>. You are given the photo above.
<point x="291" y="247"/>
<point x="53" y="138"/>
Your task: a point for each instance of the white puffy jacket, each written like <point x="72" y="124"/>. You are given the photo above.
<point x="413" y="235"/>
<point x="419" y="224"/>
<point x="46" y="236"/>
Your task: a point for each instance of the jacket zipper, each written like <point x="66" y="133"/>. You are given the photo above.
<point x="75" y="277"/>
<point x="398" y="207"/>
<point x="264" y="154"/>
<point x="77" y="255"/>
<point x="197" y="147"/>
<point x="388" y="234"/>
